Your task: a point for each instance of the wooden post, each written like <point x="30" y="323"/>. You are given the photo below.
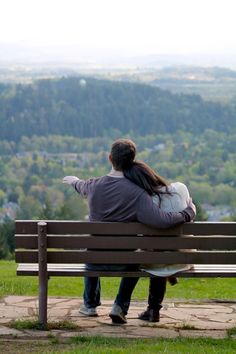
<point x="43" y="273"/>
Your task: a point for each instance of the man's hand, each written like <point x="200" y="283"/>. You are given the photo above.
<point x="70" y="179"/>
<point x="192" y="206"/>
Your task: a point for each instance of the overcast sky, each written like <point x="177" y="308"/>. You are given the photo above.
<point x="137" y="26"/>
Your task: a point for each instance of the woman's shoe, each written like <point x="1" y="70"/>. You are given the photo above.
<point x="150" y="315"/>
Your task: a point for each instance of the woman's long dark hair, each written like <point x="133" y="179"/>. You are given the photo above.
<point x="145" y="177"/>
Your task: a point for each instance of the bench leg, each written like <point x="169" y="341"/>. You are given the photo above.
<point x="43" y="274"/>
<point x="43" y="297"/>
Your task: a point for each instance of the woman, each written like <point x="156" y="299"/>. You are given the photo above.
<point x="172" y="197"/>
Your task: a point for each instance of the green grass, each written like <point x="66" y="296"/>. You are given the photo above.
<point x="187" y="327"/>
<point x="170" y="346"/>
<point x="99" y="345"/>
<point x="10" y="284"/>
<point x="30" y="324"/>
<point x="203" y="288"/>
<point x="231" y="331"/>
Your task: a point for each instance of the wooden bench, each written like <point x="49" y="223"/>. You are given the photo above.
<point x="61" y="248"/>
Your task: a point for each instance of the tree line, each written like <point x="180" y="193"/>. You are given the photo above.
<point x="91" y="108"/>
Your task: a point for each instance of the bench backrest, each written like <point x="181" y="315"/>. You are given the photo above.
<point x="114" y="243"/>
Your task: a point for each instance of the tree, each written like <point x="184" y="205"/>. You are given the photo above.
<point x="201" y="213"/>
<point x="4" y="251"/>
<point x="30" y="208"/>
<point x="74" y="208"/>
<point x="2" y="196"/>
<point x="6" y="238"/>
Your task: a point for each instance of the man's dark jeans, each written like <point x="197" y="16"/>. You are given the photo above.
<point x="92" y="286"/>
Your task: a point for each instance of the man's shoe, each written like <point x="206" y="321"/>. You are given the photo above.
<point x="150" y="315"/>
<point x="88" y="311"/>
<point x="117" y="315"/>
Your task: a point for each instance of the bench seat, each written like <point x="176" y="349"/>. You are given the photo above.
<point x="75" y="270"/>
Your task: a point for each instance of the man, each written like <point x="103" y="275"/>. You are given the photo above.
<point x="115" y="198"/>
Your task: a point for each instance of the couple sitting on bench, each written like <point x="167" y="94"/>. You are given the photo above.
<point x="131" y="192"/>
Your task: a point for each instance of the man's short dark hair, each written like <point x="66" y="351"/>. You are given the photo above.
<point x="123" y="153"/>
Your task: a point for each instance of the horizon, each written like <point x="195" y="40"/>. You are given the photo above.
<point x="89" y="58"/>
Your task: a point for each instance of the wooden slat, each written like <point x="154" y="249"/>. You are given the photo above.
<point x="122" y="257"/>
<point x="143" y="242"/>
<point x="75" y="227"/>
<point x="26" y="241"/>
<point x="26" y="226"/>
<point x="209" y="228"/>
<point x="79" y="270"/>
<point x="129" y="242"/>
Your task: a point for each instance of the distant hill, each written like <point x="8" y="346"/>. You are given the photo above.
<point x="190" y="72"/>
<point x="90" y="108"/>
<point x="213" y="83"/>
<point x="32" y="52"/>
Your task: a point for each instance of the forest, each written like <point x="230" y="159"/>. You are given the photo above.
<point x="59" y="127"/>
<point x="92" y="108"/>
